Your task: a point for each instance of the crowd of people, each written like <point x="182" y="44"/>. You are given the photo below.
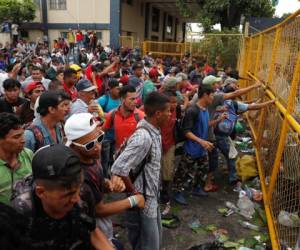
<point x="111" y="122"/>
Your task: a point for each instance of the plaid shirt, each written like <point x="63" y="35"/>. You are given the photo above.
<point x="136" y="149"/>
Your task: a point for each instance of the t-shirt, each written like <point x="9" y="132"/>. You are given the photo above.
<point x="123" y="126"/>
<point x="72" y="92"/>
<point x="10" y="107"/>
<point x="148" y="88"/>
<point x="195" y="121"/>
<point x="167" y="133"/>
<point x="107" y="103"/>
<point x="217" y="101"/>
<point x="9" y="176"/>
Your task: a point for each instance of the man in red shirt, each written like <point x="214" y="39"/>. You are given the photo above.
<point x="70" y="79"/>
<point x="124" y="119"/>
<point x="168" y="146"/>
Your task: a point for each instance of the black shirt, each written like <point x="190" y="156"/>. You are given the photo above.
<point x="10" y="107"/>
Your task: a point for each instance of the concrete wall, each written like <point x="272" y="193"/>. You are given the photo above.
<point x="78" y="11"/>
<point x="132" y="20"/>
<point x="35" y="35"/>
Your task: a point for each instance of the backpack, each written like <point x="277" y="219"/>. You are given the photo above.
<point x="226" y="127"/>
<point x="140" y="167"/>
<point x="38" y="136"/>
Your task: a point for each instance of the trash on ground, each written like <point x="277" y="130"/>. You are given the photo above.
<point x="289" y="219"/>
<point x="249" y="225"/>
<point x="170" y="221"/>
<point x="208" y="246"/>
<point x="223" y="210"/>
<point x="245" y="205"/>
<point x="196" y="226"/>
<point x="211" y="227"/>
<point x="246" y="167"/>
<point x="221" y="235"/>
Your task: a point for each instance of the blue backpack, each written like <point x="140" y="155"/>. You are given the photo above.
<point x="226" y="127"/>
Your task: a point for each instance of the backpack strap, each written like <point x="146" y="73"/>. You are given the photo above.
<point x="137" y="118"/>
<point x="112" y="118"/>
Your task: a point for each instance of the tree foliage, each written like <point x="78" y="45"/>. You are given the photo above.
<point x="17" y="11"/>
<point x="226" y="12"/>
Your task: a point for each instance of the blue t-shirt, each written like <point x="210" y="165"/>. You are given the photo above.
<point x="195" y="121"/>
<point x="107" y="103"/>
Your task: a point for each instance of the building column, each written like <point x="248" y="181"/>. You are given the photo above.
<point x="115" y="22"/>
<point x="44" y="17"/>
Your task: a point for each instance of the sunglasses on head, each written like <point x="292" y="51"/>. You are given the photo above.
<point x="90" y="145"/>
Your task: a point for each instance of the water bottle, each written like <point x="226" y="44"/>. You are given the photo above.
<point x="248" y="225"/>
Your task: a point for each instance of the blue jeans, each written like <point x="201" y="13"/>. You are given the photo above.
<point x="106" y="156"/>
<point x="222" y="143"/>
<point x="144" y="233"/>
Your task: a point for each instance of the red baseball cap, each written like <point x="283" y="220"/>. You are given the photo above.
<point x="33" y="85"/>
<point x="153" y="72"/>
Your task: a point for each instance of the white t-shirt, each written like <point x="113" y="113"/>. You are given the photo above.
<point x="3" y="77"/>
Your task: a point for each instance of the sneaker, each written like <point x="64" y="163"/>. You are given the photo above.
<point x="167" y="209"/>
<point x="179" y="198"/>
<point x="198" y="191"/>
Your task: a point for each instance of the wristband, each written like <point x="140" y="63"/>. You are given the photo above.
<point x="130" y="201"/>
<point x="135" y="202"/>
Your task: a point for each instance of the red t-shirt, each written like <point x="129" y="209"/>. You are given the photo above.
<point x="167" y="133"/>
<point x="71" y="91"/>
<point x="79" y="37"/>
<point x="99" y="80"/>
<point x="123" y="126"/>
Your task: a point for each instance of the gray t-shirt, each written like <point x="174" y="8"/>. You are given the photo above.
<point x="217" y="101"/>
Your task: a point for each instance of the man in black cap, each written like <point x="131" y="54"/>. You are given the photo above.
<point x="51" y="200"/>
<point x="46" y="130"/>
<point x="86" y="95"/>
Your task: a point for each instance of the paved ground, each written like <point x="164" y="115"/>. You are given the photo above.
<point x="204" y="209"/>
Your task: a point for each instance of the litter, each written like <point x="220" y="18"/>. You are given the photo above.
<point x="245" y="205"/>
<point x="289" y="219"/>
<point x="248" y="225"/>
<point x="246" y="167"/>
<point x="236" y="209"/>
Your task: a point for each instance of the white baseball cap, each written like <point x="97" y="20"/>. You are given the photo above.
<point x="79" y="125"/>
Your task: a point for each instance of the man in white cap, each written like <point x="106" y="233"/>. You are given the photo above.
<point x="85" y="137"/>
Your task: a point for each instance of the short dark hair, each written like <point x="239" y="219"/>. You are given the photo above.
<point x="205" y="89"/>
<point x="155" y="102"/>
<point x="69" y="72"/>
<point x="54" y="84"/>
<point x="137" y="65"/>
<point x="200" y="64"/>
<point x="36" y="68"/>
<point x="228" y="89"/>
<point x="8" y="121"/>
<point x="170" y="93"/>
<point x="127" y="89"/>
<point x="11" y="83"/>
<point x="51" y="99"/>
<point x="59" y="71"/>
<point x="234" y="74"/>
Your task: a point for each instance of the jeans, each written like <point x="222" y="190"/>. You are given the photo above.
<point x="144" y="233"/>
<point x="222" y="143"/>
<point x="106" y="156"/>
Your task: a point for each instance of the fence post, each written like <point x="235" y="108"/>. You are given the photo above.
<point x="270" y="78"/>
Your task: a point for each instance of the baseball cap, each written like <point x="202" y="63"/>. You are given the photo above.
<point x="75" y="67"/>
<point x="171" y="82"/>
<point x="85" y="85"/>
<point x="230" y="80"/>
<point x="112" y="83"/>
<point x="54" y="161"/>
<point x="153" y="73"/>
<point x="183" y="76"/>
<point x="79" y="125"/>
<point x="33" y="85"/>
<point x="210" y="80"/>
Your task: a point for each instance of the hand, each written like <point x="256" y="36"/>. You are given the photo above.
<point x="140" y="201"/>
<point x="258" y="85"/>
<point x="207" y="145"/>
<point x="16" y="70"/>
<point x="222" y="117"/>
<point x="118" y="185"/>
<point x="108" y="185"/>
<point x="93" y="107"/>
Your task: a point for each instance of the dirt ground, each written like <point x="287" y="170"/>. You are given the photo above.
<point x="205" y="210"/>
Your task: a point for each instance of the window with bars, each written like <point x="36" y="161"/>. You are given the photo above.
<point x="58" y="4"/>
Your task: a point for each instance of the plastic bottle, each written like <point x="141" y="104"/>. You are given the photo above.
<point x="288" y="219"/>
<point x="248" y="225"/>
<point x="245" y="205"/>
